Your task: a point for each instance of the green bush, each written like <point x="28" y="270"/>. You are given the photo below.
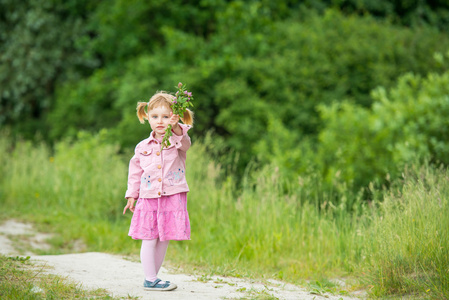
<point x="84" y="105"/>
<point x="406" y="124"/>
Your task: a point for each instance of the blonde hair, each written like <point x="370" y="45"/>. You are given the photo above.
<point x="160" y="99"/>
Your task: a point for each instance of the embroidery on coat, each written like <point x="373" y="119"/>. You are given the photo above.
<point x="145" y="182"/>
<point x="175" y="177"/>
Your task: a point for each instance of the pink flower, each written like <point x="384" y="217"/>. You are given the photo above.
<point x="189" y="94"/>
<point x="185" y="92"/>
<point x="179" y="85"/>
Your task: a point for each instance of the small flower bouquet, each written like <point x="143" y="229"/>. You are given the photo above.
<point x="183" y="99"/>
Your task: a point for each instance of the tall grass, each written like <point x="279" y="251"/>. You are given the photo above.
<point x="75" y="190"/>
<point x="409" y="248"/>
<point x="263" y="226"/>
<point x="263" y="229"/>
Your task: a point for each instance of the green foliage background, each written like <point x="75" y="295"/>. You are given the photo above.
<point x="336" y="98"/>
<point x="267" y="76"/>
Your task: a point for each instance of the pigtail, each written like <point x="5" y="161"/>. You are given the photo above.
<point x="141" y="113"/>
<point x="188" y="117"/>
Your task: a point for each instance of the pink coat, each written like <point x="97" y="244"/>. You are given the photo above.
<point x="154" y="173"/>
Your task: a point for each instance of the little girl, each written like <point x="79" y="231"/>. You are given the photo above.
<point x="157" y="179"/>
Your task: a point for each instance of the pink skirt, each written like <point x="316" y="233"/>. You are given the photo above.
<point x="165" y="218"/>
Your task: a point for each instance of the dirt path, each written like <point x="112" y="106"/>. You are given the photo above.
<point x="123" y="278"/>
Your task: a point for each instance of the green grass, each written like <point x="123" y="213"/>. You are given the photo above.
<point x="262" y="227"/>
<point x="409" y="249"/>
<point x="20" y="279"/>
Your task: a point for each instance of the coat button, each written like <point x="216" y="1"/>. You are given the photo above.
<point x="158" y="153"/>
<point x="144" y="152"/>
<point x="159" y="193"/>
<point x="160" y="179"/>
<point x="159" y="166"/>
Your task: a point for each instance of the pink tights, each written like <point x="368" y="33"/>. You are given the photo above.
<point x="152" y="255"/>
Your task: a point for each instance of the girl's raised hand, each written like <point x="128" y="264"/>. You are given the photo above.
<point x="129" y="205"/>
<point x="174" y="119"/>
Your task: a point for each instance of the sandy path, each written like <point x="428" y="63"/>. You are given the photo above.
<point x="123" y="278"/>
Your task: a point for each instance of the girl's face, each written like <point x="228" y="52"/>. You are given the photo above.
<point x="159" y="118"/>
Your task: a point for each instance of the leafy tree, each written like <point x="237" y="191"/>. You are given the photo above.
<point x="40" y="41"/>
<point x="124" y="29"/>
